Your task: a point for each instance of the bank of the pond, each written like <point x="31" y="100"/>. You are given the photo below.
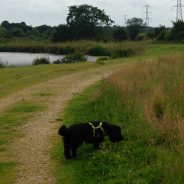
<point x="120" y="49"/>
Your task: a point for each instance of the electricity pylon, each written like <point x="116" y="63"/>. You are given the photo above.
<point x="179" y="14"/>
<point x="147" y="19"/>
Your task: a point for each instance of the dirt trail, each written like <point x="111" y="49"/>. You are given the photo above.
<point x="33" y="150"/>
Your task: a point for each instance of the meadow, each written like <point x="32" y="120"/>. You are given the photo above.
<point x="146" y="100"/>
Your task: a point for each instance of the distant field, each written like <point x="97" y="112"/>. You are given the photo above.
<point x="146" y="100"/>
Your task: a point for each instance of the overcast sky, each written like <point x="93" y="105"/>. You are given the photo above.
<point x="54" y="12"/>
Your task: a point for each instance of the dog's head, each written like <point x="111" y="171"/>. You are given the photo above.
<point x="114" y="132"/>
<point x="62" y="130"/>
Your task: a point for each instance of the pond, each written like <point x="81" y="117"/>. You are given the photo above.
<point x="26" y="59"/>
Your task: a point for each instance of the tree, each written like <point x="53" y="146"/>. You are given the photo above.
<point x="5" y="24"/>
<point x="134" y="27"/>
<point x="17" y="32"/>
<point x="177" y="32"/>
<point x="120" y="34"/>
<point x="61" y="33"/>
<point x="43" y="28"/>
<point x="85" y="21"/>
<point x="4" y="33"/>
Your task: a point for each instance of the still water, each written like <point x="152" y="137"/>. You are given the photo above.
<point x="26" y="59"/>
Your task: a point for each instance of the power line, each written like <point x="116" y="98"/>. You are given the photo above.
<point x="147" y="19"/>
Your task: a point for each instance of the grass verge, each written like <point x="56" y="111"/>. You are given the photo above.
<point x="9" y="122"/>
<point x="147" y="102"/>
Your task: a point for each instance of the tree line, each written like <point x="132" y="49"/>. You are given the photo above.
<point x="91" y="23"/>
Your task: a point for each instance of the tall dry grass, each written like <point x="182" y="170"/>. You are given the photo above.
<point x="158" y="88"/>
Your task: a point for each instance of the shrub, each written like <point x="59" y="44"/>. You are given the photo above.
<point x="67" y="50"/>
<point x="101" y="62"/>
<point x="177" y="33"/>
<point x="162" y="36"/>
<point x="76" y="57"/>
<point x="58" y="61"/>
<point x="98" y="51"/>
<point x="120" y="34"/>
<point x="142" y="36"/>
<point x="122" y="53"/>
<point x="102" y="58"/>
<point x="40" y="61"/>
<point x="2" y="65"/>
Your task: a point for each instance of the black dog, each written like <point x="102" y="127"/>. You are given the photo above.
<point x="93" y="133"/>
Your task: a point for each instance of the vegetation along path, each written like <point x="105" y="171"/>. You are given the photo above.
<point x="33" y="149"/>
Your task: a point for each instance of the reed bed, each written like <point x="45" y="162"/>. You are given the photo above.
<point x="122" y="49"/>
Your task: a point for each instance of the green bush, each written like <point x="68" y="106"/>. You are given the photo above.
<point x="162" y="36"/>
<point x="101" y="62"/>
<point x="2" y="65"/>
<point x="142" y="36"/>
<point x="120" y="34"/>
<point x="176" y="33"/>
<point x="98" y="51"/>
<point x="76" y="57"/>
<point x="58" y="61"/>
<point x="122" y="53"/>
<point x="40" y="61"/>
<point x="102" y="58"/>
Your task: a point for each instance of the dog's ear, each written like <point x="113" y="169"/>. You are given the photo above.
<point x="62" y="130"/>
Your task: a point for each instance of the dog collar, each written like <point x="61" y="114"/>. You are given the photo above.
<point x="98" y="127"/>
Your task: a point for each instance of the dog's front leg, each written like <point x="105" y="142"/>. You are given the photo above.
<point x="96" y="145"/>
<point x="74" y="152"/>
<point x="67" y="151"/>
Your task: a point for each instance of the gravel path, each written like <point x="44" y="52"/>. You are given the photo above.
<point x="33" y="150"/>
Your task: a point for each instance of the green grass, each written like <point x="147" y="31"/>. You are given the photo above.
<point x="9" y="121"/>
<point x="144" y="103"/>
<point x="158" y="49"/>
<point x="6" y="170"/>
<point x="14" y="79"/>
<point x="114" y="163"/>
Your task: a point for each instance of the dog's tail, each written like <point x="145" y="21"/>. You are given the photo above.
<point x="62" y="130"/>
